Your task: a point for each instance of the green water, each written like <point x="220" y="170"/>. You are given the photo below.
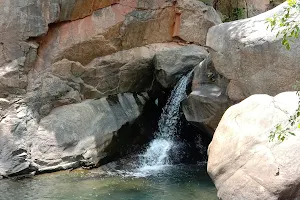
<point x="173" y="183"/>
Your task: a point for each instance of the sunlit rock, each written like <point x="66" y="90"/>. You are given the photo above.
<point x="243" y="163"/>
<point x="251" y="57"/>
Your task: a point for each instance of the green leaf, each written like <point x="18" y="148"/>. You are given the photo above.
<point x="284" y="41"/>
<point x="270" y="19"/>
<point x="279" y="137"/>
<point x="292" y="33"/>
<point x="279" y="127"/>
<point x="292" y="2"/>
<point x="291" y="133"/>
<point x="277" y="34"/>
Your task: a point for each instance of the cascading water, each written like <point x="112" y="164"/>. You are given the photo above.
<point x="157" y="154"/>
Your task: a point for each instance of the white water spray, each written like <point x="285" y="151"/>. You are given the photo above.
<point x="157" y="154"/>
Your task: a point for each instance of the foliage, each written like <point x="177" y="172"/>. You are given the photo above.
<point x="288" y="28"/>
<point x="237" y="13"/>
<point x="282" y="131"/>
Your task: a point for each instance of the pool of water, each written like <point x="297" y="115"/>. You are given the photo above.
<point x="173" y="183"/>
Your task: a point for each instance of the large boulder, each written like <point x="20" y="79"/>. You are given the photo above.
<point x="70" y="136"/>
<point x="124" y="71"/>
<point x="171" y="64"/>
<point x="208" y="100"/>
<point x="243" y="163"/>
<point x="193" y="19"/>
<point x="252" y="57"/>
<point x="82" y="133"/>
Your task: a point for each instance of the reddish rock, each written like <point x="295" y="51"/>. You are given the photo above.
<point x="83" y="8"/>
<point x="123" y="25"/>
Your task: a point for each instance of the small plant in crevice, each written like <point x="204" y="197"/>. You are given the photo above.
<point x="282" y="131"/>
<point x="236" y="14"/>
<point x="76" y="74"/>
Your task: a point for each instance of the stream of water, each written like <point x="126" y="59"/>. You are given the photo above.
<point x="153" y="177"/>
<point x="173" y="183"/>
<point x="157" y="155"/>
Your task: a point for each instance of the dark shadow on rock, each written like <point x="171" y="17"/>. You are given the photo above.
<point x="131" y="137"/>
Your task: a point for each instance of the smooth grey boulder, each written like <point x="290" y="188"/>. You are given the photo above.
<point x="208" y="100"/>
<point x="83" y="132"/>
<point x="202" y="109"/>
<point x="16" y="122"/>
<point x="252" y="58"/>
<point x="243" y="163"/>
<point x="69" y="137"/>
<point x="171" y="64"/>
<point x="130" y="70"/>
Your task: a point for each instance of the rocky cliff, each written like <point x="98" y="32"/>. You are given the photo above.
<point x="73" y="73"/>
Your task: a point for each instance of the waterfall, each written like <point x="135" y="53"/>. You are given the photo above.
<point x="158" y="152"/>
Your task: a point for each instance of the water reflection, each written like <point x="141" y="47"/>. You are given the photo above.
<point x="174" y="183"/>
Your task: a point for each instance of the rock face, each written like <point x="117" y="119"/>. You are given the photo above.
<point x="125" y="25"/>
<point x="70" y="136"/>
<point x="252" y="58"/>
<point x="55" y="126"/>
<point x="240" y="9"/>
<point x="192" y="19"/>
<point x="78" y="134"/>
<point x="243" y="163"/>
<point x="64" y="69"/>
<point x="171" y="64"/>
<point x="208" y="100"/>
<point x="125" y="71"/>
